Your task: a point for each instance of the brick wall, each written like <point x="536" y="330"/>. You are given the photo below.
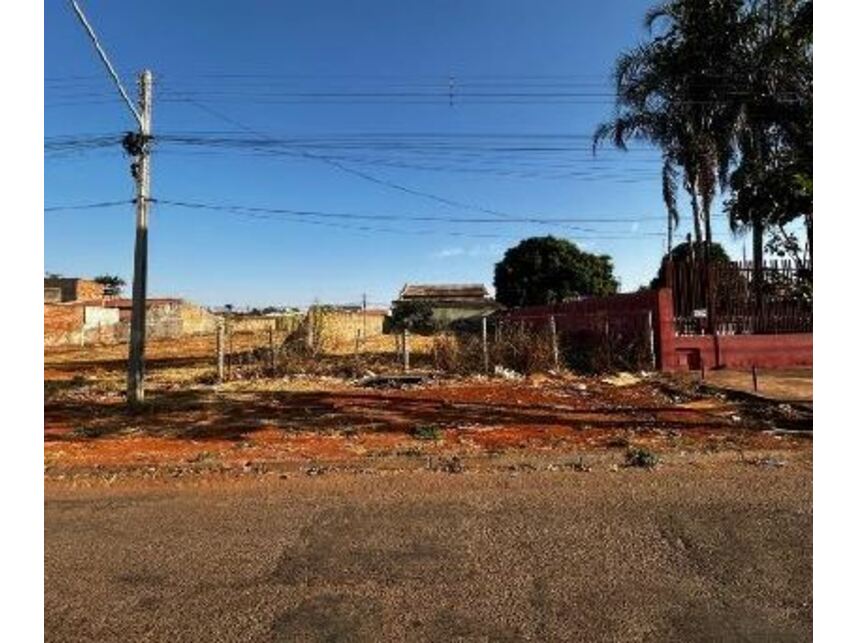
<point x="335" y="329"/>
<point x="72" y="289"/>
<point x="63" y="324"/>
<point x="87" y="289"/>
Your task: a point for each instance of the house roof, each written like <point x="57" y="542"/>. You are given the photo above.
<point x="444" y="291"/>
<point x="123" y="302"/>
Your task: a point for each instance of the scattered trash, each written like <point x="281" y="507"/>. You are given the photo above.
<point x="447" y="465"/>
<point x="453" y="465"/>
<point x="579" y="466"/>
<point x="507" y="373"/>
<point x="621" y="379"/>
<point x="579" y="386"/>
<point x="391" y="381"/>
<point x="316" y="470"/>
<point x="765" y="462"/>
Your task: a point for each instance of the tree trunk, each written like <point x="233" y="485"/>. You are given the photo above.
<point x="758" y="267"/>
<point x="697" y="224"/>
<point x="808" y="223"/>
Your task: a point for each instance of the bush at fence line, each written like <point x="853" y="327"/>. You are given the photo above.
<point x="458" y="353"/>
<point x="593" y="349"/>
<point x="523" y="348"/>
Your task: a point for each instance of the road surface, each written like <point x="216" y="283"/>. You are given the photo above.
<point x="718" y="551"/>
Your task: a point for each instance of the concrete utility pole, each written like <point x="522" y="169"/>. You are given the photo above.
<point x="140" y="170"/>
<point x="137" y="145"/>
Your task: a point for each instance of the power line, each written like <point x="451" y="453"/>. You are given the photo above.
<point x="88" y="206"/>
<point x="352" y="215"/>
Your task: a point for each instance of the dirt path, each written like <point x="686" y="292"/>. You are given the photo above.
<point x="720" y="551"/>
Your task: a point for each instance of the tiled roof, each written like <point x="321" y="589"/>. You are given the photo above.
<point x="443" y="291"/>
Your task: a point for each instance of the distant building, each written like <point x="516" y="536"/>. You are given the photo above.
<point x="64" y="289"/>
<point x="449" y="302"/>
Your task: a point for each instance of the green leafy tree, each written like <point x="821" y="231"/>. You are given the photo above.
<point x="687" y="251"/>
<point x="547" y="270"/>
<point x="413" y="315"/>
<point x="113" y="284"/>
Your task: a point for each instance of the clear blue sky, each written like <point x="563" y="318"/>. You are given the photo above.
<point x="356" y="82"/>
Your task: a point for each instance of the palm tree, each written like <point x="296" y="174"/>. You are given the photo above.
<point x="672" y="91"/>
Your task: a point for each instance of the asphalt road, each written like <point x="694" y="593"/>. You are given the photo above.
<point x="705" y="553"/>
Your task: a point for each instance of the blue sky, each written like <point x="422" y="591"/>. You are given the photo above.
<point x="364" y="84"/>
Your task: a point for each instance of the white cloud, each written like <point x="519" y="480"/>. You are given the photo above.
<point x="491" y="250"/>
<point x="448" y="252"/>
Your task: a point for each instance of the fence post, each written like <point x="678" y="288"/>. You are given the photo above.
<point x="271" y="349"/>
<point x="554" y="343"/>
<point x="755" y="380"/>
<point x="220" y="349"/>
<point x="406" y="358"/>
<point x="650" y="327"/>
<point x="228" y="351"/>
<point x="485" y="360"/>
<point x="309" y="335"/>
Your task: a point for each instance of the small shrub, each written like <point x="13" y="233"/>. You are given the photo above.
<point x="637" y="457"/>
<point x="426" y="432"/>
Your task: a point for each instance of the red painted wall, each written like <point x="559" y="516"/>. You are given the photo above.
<point x="680" y="352"/>
<point x="741" y="351"/>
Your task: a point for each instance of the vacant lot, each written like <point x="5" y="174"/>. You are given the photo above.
<point x="190" y="425"/>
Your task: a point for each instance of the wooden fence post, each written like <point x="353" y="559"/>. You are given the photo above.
<point x="755" y="380"/>
<point x="554" y="343"/>
<point x="485" y="360"/>
<point x="220" y="349"/>
<point x="406" y="357"/>
<point x="272" y="358"/>
<point x="310" y="340"/>
<point x="228" y="351"/>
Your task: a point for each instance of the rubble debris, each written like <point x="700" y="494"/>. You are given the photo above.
<point x="392" y="381"/>
<point x="507" y="373"/>
<point x="447" y="465"/>
<point x="765" y="462"/>
<point x="579" y="466"/>
<point x="621" y="379"/>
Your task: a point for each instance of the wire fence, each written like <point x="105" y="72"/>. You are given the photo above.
<point x="492" y="345"/>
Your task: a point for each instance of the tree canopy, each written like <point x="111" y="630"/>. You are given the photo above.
<point x="724" y="89"/>
<point x="548" y="270"/>
<point x="684" y="252"/>
<point x="113" y="284"/>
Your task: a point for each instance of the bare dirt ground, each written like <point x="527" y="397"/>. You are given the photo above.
<point x="316" y="509"/>
<point x="785" y="385"/>
<point x="191" y="426"/>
